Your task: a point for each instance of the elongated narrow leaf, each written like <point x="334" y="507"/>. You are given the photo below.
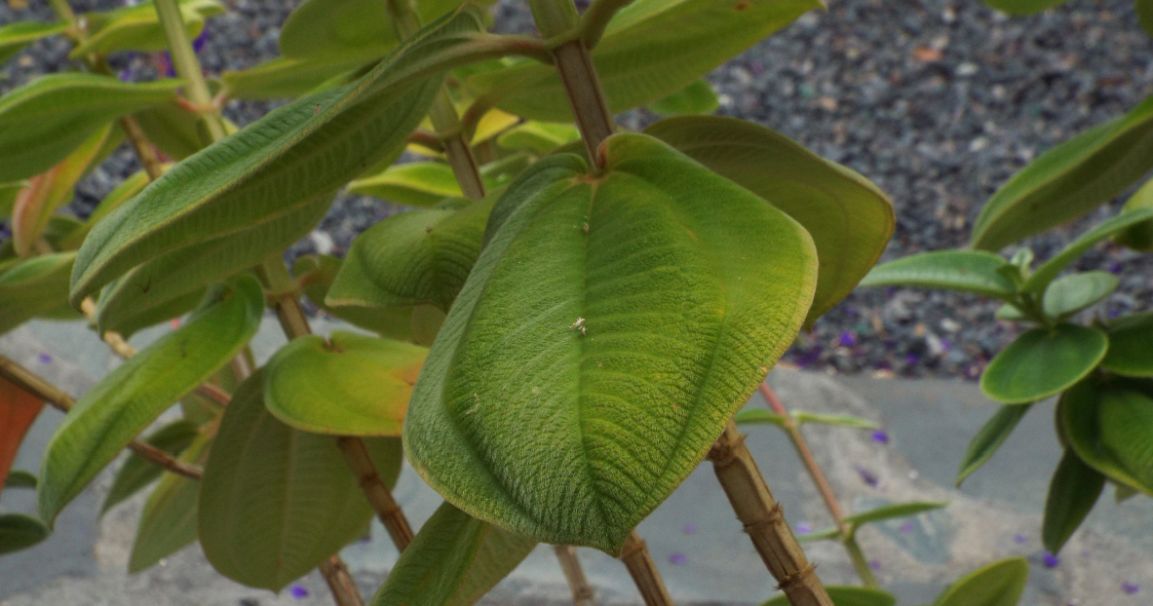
<point x="849" y="219"/>
<point x="283" y="78"/>
<point x="325" y="30"/>
<point x="1110" y="427"/>
<point x="1139" y="236"/>
<point x="1043" y="362"/>
<point x="997" y="584"/>
<point x="18" y="410"/>
<point x="138" y="27"/>
<point x="454" y="560"/>
<point x="653" y="49"/>
<point x="889" y="512"/>
<point x="31" y="287"/>
<point x="1048" y="271"/>
<point x="129" y="398"/>
<point x="415" y="258"/>
<point x="847" y="596"/>
<point x="348" y="384"/>
<point x="989" y="438"/>
<point x="20" y="532"/>
<point x="610" y="327"/>
<point x="962" y="270"/>
<point x="276" y="502"/>
<point x="758" y="416"/>
<point x="281" y="163"/>
<point x="44" y="120"/>
<point x="1022" y="7"/>
<point x="168" y="520"/>
<point x="138" y="472"/>
<point x="696" y="98"/>
<point x="119" y="195"/>
<point x="15" y="36"/>
<point x="18" y="478"/>
<point x="316" y="274"/>
<point x="1069" y="180"/>
<point x="1131" y="347"/>
<point x="804" y="416"/>
<point x="1073" y="490"/>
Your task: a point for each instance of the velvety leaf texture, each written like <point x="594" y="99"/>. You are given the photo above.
<point x="609" y="329"/>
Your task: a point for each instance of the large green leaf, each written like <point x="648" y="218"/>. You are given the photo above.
<point x="1069" y="180"/>
<point x="653" y="49"/>
<point x="44" y="120"/>
<point x="453" y="561"/>
<point x="348" y="384"/>
<point x="20" y="532"/>
<point x="1043" y="362"/>
<point x="997" y="584"/>
<point x="129" y="398"/>
<point x="415" y="258"/>
<point x="119" y="195"/>
<point x="138" y="472"/>
<point x="962" y="270"/>
<point x="15" y="36"/>
<point x="609" y="329"/>
<point x="847" y="596"/>
<point x="849" y="219"/>
<point x="1049" y="270"/>
<point x="1022" y="7"/>
<point x="31" y="287"/>
<point x="1110" y="427"/>
<point x="989" y="438"/>
<point x="285" y="161"/>
<point x="138" y="27"/>
<point x="276" y="502"/>
<point x="1131" y="346"/>
<point x="323" y="30"/>
<point x="168" y="520"/>
<point x="1073" y="490"/>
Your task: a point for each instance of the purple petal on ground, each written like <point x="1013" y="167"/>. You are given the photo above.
<point x="689" y="528"/>
<point x="907" y="527"/>
<point x="1050" y="560"/>
<point x="678" y="559"/>
<point x="804" y="528"/>
<point x="1020" y="539"/>
<point x="198" y="43"/>
<point x="44" y="358"/>
<point x="299" y="592"/>
<point x="875" y="564"/>
<point x="880" y="437"/>
<point x="1130" y="588"/>
<point x="868" y="477"/>
<point x="847" y="339"/>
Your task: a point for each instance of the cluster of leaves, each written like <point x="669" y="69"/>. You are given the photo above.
<point x="1101" y="369"/>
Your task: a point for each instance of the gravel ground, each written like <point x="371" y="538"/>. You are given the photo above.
<point x="937" y="101"/>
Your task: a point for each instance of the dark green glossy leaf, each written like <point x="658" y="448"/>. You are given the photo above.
<point x="696" y="98"/>
<point x="168" y="520"/>
<point x="19" y="532"/>
<point x="989" y="438"/>
<point x="453" y="561"/>
<point x="1069" y="180"/>
<point x="138" y="472"/>
<point x="847" y="596"/>
<point x="652" y="49"/>
<point x="15" y="36"/>
<point x="44" y="120"/>
<point x="610" y="327"/>
<point x="1110" y="427"/>
<point x="1043" y="362"/>
<point x="997" y="584"/>
<point x="276" y="502"/>
<point x="348" y="384"/>
<point x="849" y="219"/>
<point x="961" y="270"/>
<point x="1073" y="490"/>
<point x="1131" y="346"/>
<point x="130" y="398"/>
<point x="1051" y="268"/>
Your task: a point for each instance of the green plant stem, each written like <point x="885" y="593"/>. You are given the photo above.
<point x="64" y="11"/>
<point x="644" y="572"/>
<point x="188" y="66"/>
<point x="596" y="19"/>
<point x="582" y="592"/>
<point x="824" y="487"/>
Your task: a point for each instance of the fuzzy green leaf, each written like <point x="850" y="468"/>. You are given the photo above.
<point x="847" y="596"/>
<point x="32" y="287"/>
<point x="19" y="532"/>
<point x="1110" y="427"/>
<point x="609" y="329"/>
<point x="168" y="520"/>
<point x="138" y="472"/>
<point x="15" y="36"/>
<point x="1069" y="180"/>
<point x="317" y="272"/>
<point x="1073" y="490"/>
<point x="997" y="584"/>
<point x="322" y="30"/>
<point x="849" y="219"/>
<point x="119" y="195"/>
<point x="44" y="120"/>
<point x="130" y="398"/>
<point x="696" y="98"/>
<point x="268" y="519"/>
<point x="540" y="138"/>
<point x="1049" y="270"/>
<point x="989" y="438"/>
<point x="283" y="78"/>
<point x="962" y="270"/>
<point x="137" y="27"/>
<point x="1043" y="362"/>
<point x="453" y="561"/>
<point x="1131" y="346"/>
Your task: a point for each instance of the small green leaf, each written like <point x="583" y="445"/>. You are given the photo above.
<point x="18" y="478"/>
<point x="611" y="326"/>
<point x="137" y="27"/>
<point x="414" y="258"/>
<point x="1070" y="294"/>
<point x="138" y="472"/>
<point x="316" y="274"/>
<point x="1051" y="268"/>
<point x="758" y="416"/>
<point x="540" y="138"/>
<point x="989" y="438"/>
<point x="31" y="137"/>
<point x="130" y="398"/>
<point x="696" y="98"/>
<point x="962" y="270"/>
<point x="19" y="532"/>
<point x="32" y="287"/>
<point x="1110" y="427"/>
<point x="1022" y="7"/>
<point x="1043" y="362"/>
<point x="889" y="512"/>
<point x="1069" y="180"/>
<point x="1073" y="490"/>
<point x="348" y="384"/>
<point x="803" y="416"/>
<point x="453" y="561"/>
<point x="1130" y="353"/>
<point x="15" y="36"/>
<point x="168" y="520"/>
<point x="847" y="596"/>
<point x="997" y="584"/>
<point x="849" y="219"/>
<point x="1139" y="237"/>
<point x="276" y="502"/>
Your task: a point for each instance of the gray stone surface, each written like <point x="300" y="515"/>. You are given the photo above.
<point x="693" y="537"/>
